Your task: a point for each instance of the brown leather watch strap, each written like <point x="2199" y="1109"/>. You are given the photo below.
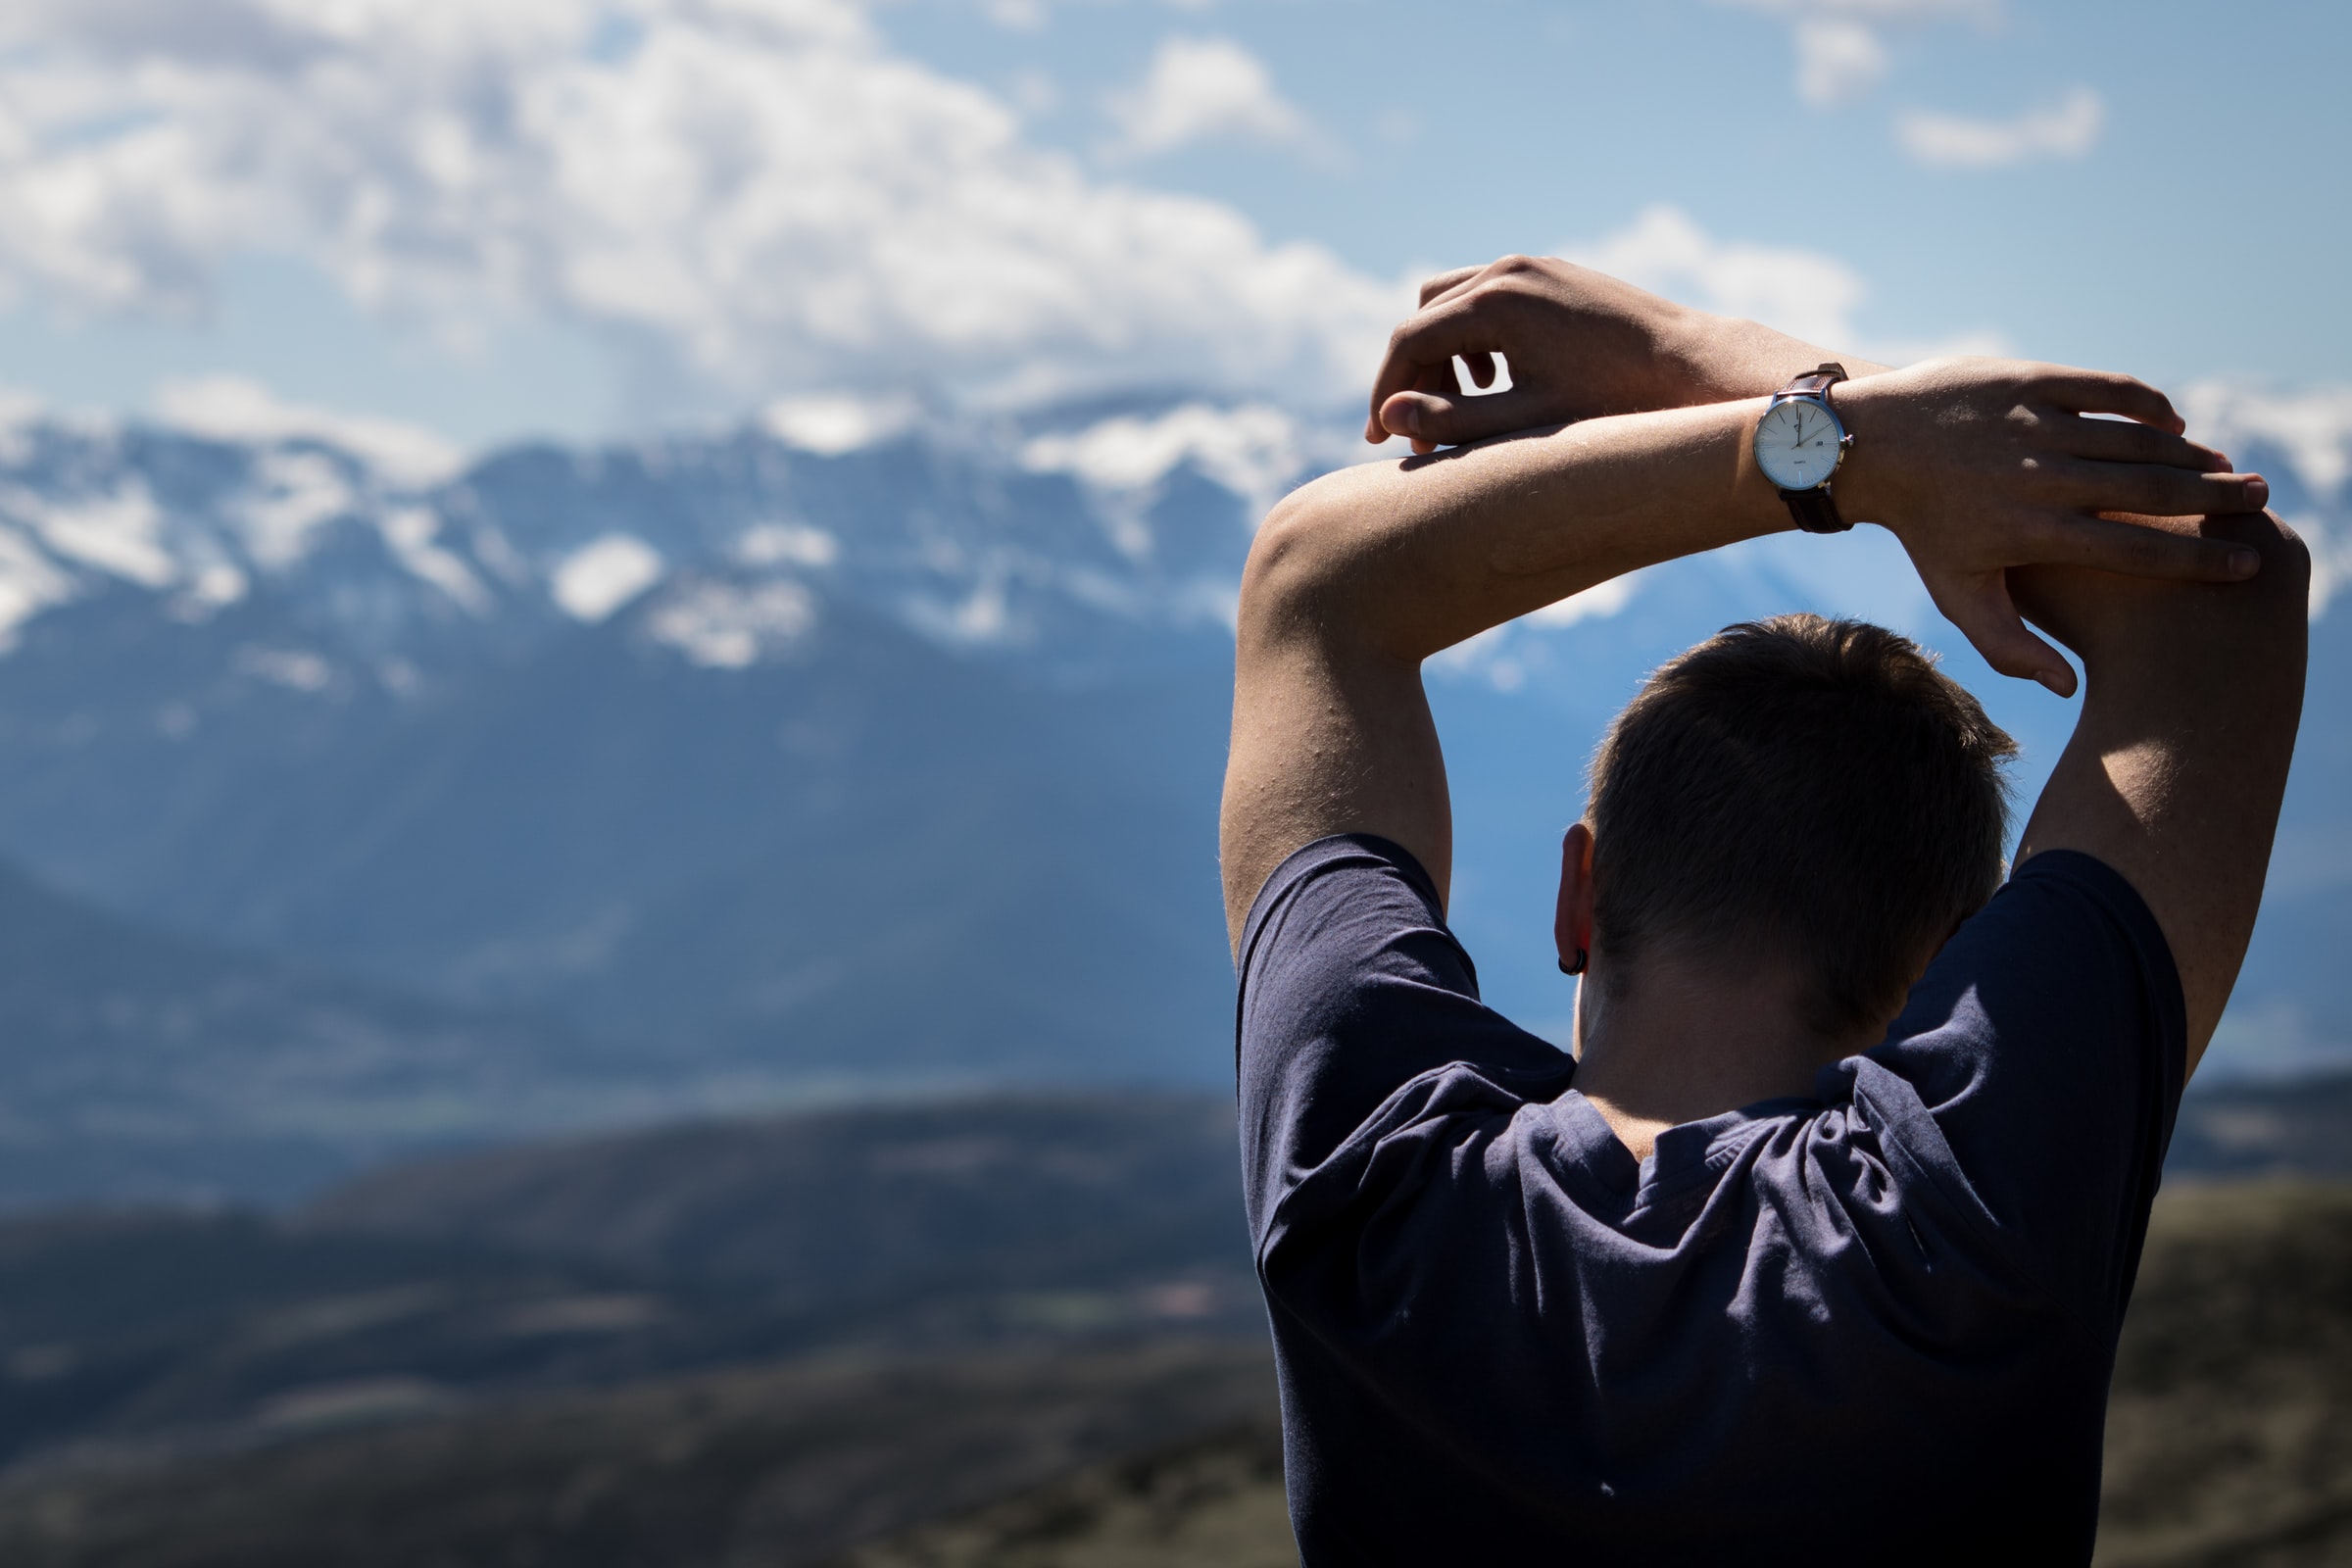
<point x="1815" y="509"/>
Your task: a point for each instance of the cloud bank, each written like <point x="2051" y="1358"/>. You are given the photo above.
<point x="754" y="194"/>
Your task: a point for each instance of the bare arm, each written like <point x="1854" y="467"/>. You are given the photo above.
<point x="2175" y="769"/>
<point x="1358" y="577"/>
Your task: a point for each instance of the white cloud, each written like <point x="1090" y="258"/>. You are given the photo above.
<point x="1597" y="603"/>
<point x="2067" y="129"/>
<point x="1841" y="44"/>
<point x="754" y="194"/>
<point x="2312" y="424"/>
<point x="1802" y="292"/>
<point x="604" y="574"/>
<point x="230" y="408"/>
<point x="1198" y="89"/>
<point x="1809" y="294"/>
<point x="2313" y="427"/>
<point x="1837" y="61"/>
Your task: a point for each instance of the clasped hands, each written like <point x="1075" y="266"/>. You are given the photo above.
<point x="1978" y="466"/>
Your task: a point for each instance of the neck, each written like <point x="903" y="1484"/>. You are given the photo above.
<point x="1685" y="1038"/>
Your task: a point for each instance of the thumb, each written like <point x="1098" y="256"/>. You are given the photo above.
<point x="1437" y="419"/>
<point x="1979" y="604"/>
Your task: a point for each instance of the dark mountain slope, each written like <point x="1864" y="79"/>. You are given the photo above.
<point x="1025" y="1192"/>
<point x="140" y="1063"/>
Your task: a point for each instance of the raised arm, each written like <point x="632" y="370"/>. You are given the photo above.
<point x="1358" y="577"/>
<point x="2175" y="769"/>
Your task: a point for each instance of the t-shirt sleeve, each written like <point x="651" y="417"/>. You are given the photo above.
<point x="2034" y="1073"/>
<point x="1352" y="987"/>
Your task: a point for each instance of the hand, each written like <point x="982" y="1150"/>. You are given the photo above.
<point x="1580" y="343"/>
<point x="1978" y="465"/>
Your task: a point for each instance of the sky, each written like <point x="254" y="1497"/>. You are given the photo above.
<point x="584" y="219"/>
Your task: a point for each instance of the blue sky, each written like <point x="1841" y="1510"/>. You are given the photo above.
<point x="2155" y="186"/>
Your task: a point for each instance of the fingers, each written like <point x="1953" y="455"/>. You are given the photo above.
<point x="2158" y="490"/>
<point x="1445" y="283"/>
<point x="1980" y="605"/>
<point x="2144" y="550"/>
<point x="2122" y="441"/>
<point x="2103" y="392"/>
<point x="1433" y="419"/>
<point x="1429" y="343"/>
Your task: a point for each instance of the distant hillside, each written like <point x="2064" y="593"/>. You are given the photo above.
<point x="2302" y="1127"/>
<point x="436" y="1286"/>
<point x="139" y="1064"/>
<point x="784" y="1466"/>
<point x="883" y="1201"/>
<point x="2229" y="1443"/>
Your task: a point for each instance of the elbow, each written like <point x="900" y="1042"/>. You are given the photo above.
<point x="1292" y="563"/>
<point x="2291" y="558"/>
<point x="2284" y="585"/>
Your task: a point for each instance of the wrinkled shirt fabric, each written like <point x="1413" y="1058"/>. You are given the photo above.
<point x="1879" y="1319"/>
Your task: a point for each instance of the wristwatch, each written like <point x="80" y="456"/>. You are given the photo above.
<point x="1800" y="443"/>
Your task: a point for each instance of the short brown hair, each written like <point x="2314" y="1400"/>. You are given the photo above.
<point x="1799" y="789"/>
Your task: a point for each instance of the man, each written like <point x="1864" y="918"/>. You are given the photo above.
<point x="1820" y="1241"/>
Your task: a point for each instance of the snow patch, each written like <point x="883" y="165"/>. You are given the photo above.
<point x="604" y="574"/>
<point x="294" y="668"/>
<point x="232" y="408"/>
<point x="1254" y="450"/>
<point x="211" y="589"/>
<point x="29" y="583"/>
<point x="119" y="533"/>
<point x="411" y="534"/>
<point x="721" y="627"/>
<point x="294" y="494"/>
<point x="833" y="425"/>
<point x="787" y="544"/>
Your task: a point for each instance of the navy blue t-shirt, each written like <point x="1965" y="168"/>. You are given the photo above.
<point x="1879" y="1322"/>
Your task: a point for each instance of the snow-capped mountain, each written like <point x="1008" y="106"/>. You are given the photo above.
<point x="863" y="746"/>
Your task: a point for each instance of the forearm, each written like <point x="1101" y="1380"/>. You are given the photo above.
<point x="2176" y="771"/>
<point x="1721" y="359"/>
<point x="1410" y="558"/>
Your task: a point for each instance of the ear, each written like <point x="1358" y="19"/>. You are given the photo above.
<point x="1572" y="921"/>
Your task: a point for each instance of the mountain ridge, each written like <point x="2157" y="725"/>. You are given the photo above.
<point x="830" y="768"/>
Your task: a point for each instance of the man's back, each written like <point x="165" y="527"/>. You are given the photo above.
<point x="1497" y="1332"/>
<point x="1864" y="1293"/>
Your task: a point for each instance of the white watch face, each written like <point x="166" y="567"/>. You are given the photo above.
<point x="1798" y="443"/>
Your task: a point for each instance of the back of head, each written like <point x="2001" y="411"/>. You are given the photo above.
<point x="1804" y="792"/>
